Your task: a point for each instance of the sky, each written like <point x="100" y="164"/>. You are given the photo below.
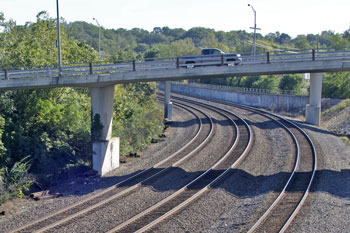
<point x="293" y="17"/>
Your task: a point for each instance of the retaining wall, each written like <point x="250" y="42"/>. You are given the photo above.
<point x="273" y="102"/>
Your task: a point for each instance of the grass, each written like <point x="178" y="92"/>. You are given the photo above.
<point x="346" y="139"/>
<point x="337" y="108"/>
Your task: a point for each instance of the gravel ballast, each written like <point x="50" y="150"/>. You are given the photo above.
<point x="234" y="205"/>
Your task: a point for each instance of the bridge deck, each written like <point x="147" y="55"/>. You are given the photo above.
<point x="91" y="75"/>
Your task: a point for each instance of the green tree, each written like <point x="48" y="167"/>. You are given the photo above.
<point x="269" y="82"/>
<point x="197" y="34"/>
<point x="336" y="85"/>
<point x="301" y="42"/>
<point x="292" y="82"/>
<point x="138" y="119"/>
<point x="338" y="42"/>
<point x="247" y="81"/>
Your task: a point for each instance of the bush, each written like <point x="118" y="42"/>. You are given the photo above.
<point x="16" y="181"/>
<point x="336" y="85"/>
<point x="137" y="117"/>
<point x="50" y="125"/>
<point x="292" y="82"/>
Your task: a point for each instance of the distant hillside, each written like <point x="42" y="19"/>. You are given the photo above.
<point x="139" y="42"/>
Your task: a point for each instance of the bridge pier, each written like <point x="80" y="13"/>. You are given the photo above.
<point x="313" y="110"/>
<point x="168" y="105"/>
<point x="105" y="149"/>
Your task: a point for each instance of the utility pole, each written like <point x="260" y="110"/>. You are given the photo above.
<point x="59" y="42"/>
<point x="255" y="28"/>
<point x="99" y="37"/>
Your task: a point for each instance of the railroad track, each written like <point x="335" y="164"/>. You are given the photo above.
<point x="279" y="215"/>
<point x="152" y="216"/>
<point x="67" y="215"/>
<point x="286" y="206"/>
<point x="201" y="137"/>
<point x="276" y="218"/>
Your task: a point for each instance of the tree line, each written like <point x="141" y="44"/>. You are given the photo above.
<point x="121" y="44"/>
<point x="164" y="40"/>
<point x="45" y="132"/>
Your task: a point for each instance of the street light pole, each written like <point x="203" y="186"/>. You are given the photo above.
<point x="255" y="28"/>
<point x="99" y="36"/>
<point x="59" y="41"/>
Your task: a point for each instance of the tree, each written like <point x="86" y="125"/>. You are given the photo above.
<point x="301" y="42"/>
<point x="338" y="42"/>
<point x="336" y="85"/>
<point x="138" y="119"/>
<point x="247" y="81"/>
<point x="52" y="126"/>
<point x="174" y="34"/>
<point x="346" y="34"/>
<point x="292" y="82"/>
<point x="269" y="82"/>
<point x="197" y="34"/>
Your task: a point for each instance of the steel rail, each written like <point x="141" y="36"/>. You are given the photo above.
<point x="120" y="184"/>
<point x="288" y="184"/>
<point x="280" y="196"/>
<point x="56" y="224"/>
<point x="196" y="194"/>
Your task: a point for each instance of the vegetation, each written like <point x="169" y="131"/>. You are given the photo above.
<point x="294" y="82"/>
<point x="336" y="85"/>
<point x="167" y="42"/>
<point x="177" y="41"/>
<point x="137" y="118"/>
<point x="336" y="120"/>
<point x="45" y="132"/>
<point x="337" y="108"/>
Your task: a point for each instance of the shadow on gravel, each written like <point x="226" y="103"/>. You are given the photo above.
<point x="184" y="124"/>
<point x="267" y="124"/>
<point x="243" y="184"/>
<point x="237" y="182"/>
<point x="313" y="128"/>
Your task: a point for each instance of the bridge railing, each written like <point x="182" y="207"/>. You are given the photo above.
<point x="242" y="89"/>
<point x="104" y="67"/>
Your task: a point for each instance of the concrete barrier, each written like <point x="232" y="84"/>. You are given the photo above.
<point x="277" y="102"/>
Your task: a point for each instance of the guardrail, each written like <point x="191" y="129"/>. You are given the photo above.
<point x="161" y="63"/>
<point x="243" y="89"/>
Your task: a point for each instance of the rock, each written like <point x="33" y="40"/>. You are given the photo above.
<point x="90" y="172"/>
<point x="43" y="195"/>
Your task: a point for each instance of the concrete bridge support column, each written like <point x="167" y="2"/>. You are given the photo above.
<point x="105" y="149"/>
<point x="168" y="106"/>
<point x="313" y="110"/>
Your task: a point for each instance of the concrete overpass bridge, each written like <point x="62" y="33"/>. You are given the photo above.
<point x="101" y="78"/>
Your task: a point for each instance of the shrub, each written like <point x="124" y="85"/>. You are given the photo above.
<point x="137" y="118"/>
<point x="16" y="181"/>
